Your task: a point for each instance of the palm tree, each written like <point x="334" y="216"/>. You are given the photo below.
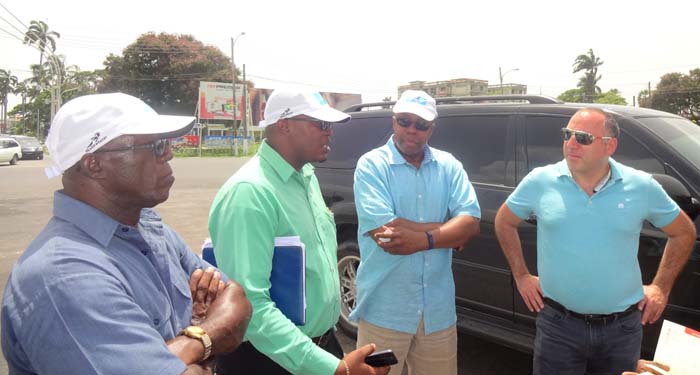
<point x="38" y="34"/>
<point x="589" y="81"/>
<point x="7" y="85"/>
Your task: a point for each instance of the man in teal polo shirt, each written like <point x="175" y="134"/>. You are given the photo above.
<point x="277" y="194"/>
<point x="590" y="211"/>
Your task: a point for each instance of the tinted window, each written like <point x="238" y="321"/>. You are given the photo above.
<point x="354" y="138"/>
<point x="681" y="134"/>
<point x="544" y="140"/>
<point x="479" y="142"/>
<point x="544" y="145"/>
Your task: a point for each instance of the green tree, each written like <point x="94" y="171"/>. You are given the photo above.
<point x="38" y="34"/>
<point x="611" y="97"/>
<point x="578" y="96"/>
<point x="572" y="96"/>
<point x="676" y="93"/>
<point x="164" y="70"/>
<point x="589" y="81"/>
<point x="7" y="86"/>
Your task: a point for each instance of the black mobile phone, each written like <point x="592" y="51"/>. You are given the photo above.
<point x="380" y="359"/>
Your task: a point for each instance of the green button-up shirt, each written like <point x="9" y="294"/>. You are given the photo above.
<point x="268" y="198"/>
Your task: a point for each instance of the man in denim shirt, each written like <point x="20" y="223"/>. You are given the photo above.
<point x="106" y="287"/>
<point x="414" y="204"/>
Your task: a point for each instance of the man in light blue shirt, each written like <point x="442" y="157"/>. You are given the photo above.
<point x="107" y="287"/>
<point x="414" y="204"/>
<point x="590" y="211"/>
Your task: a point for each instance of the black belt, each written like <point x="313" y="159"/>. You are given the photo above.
<point x="591" y="318"/>
<point x="322" y="340"/>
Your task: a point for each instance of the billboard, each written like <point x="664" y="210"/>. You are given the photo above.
<point x="216" y="99"/>
<point x="258" y="99"/>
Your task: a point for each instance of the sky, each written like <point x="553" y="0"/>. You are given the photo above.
<point x="372" y="47"/>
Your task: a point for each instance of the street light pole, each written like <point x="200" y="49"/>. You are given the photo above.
<point x="501" y="75"/>
<point x="233" y="69"/>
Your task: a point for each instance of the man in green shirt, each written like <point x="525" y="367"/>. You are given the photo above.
<point x="277" y="194"/>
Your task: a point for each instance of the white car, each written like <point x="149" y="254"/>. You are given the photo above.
<point x="10" y="151"/>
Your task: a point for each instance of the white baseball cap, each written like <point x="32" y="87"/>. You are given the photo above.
<point x="417" y="102"/>
<point x="86" y="123"/>
<point x="289" y="102"/>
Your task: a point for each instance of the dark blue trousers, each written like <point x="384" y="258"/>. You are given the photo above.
<point x="568" y="345"/>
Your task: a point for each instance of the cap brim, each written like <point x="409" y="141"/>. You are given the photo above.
<point x="327" y="113"/>
<point x="165" y="125"/>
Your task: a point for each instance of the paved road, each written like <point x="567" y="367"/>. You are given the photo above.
<point x="26" y="203"/>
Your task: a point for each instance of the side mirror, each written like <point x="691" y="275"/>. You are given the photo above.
<point x="679" y="194"/>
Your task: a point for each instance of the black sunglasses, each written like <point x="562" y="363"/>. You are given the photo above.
<point x="421" y="125"/>
<point x="582" y="138"/>
<point x="158" y="146"/>
<point x="323" y="125"/>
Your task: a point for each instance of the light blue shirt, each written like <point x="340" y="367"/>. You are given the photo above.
<point x="587" y="246"/>
<point x="93" y="296"/>
<point x="395" y="291"/>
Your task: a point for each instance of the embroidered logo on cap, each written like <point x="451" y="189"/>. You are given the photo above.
<point x="94" y="141"/>
<point x="419" y="100"/>
<point x="286" y="113"/>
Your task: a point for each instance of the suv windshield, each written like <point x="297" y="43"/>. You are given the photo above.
<point x="681" y="134"/>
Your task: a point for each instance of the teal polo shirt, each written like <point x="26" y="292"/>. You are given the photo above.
<point x="264" y="199"/>
<point x="587" y="246"/>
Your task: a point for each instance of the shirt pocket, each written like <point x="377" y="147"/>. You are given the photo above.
<point x="156" y="305"/>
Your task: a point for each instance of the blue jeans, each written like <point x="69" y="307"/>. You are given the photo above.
<point x="565" y="344"/>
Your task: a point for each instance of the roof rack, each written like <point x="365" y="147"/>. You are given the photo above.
<point x="531" y="99"/>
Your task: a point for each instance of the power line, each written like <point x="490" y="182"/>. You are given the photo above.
<point x="13" y="15"/>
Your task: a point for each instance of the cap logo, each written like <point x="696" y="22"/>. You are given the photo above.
<point x="419" y="100"/>
<point x="320" y="98"/>
<point x="94" y="141"/>
<point x="286" y="112"/>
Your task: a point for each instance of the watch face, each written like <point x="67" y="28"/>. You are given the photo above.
<point x="194" y="331"/>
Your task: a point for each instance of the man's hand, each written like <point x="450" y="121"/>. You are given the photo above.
<point x="356" y="363"/>
<point x="204" y="286"/>
<point x="529" y="288"/>
<point x="653" y="304"/>
<point x="400" y="240"/>
<point x="648" y="366"/>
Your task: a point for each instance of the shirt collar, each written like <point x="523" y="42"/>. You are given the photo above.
<point x="281" y="166"/>
<point x="615" y="171"/>
<point x="395" y="156"/>
<point x="90" y="220"/>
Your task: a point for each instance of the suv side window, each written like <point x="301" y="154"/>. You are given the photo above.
<point x="544" y="145"/>
<point x="544" y="140"/>
<point x="476" y="141"/>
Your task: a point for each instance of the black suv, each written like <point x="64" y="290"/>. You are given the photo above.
<point x="499" y="139"/>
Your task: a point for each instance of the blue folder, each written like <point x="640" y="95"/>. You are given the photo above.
<point x="288" y="278"/>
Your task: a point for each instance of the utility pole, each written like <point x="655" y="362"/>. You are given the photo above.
<point x="500" y="76"/>
<point x="245" y="110"/>
<point x="233" y="80"/>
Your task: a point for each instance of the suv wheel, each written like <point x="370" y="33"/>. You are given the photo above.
<point x="348" y="261"/>
<point x="14" y="160"/>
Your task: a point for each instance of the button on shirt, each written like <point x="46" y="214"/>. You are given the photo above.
<point x="394" y="291"/>
<point x="90" y="295"/>
<point x="264" y="199"/>
<point x="587" y="245"/>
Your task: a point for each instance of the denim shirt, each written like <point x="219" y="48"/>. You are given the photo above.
<point x="90" y="295"/>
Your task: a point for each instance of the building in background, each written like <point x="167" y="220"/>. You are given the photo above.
<point x="464" y="87"/>
<point x="508" y="89"/>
